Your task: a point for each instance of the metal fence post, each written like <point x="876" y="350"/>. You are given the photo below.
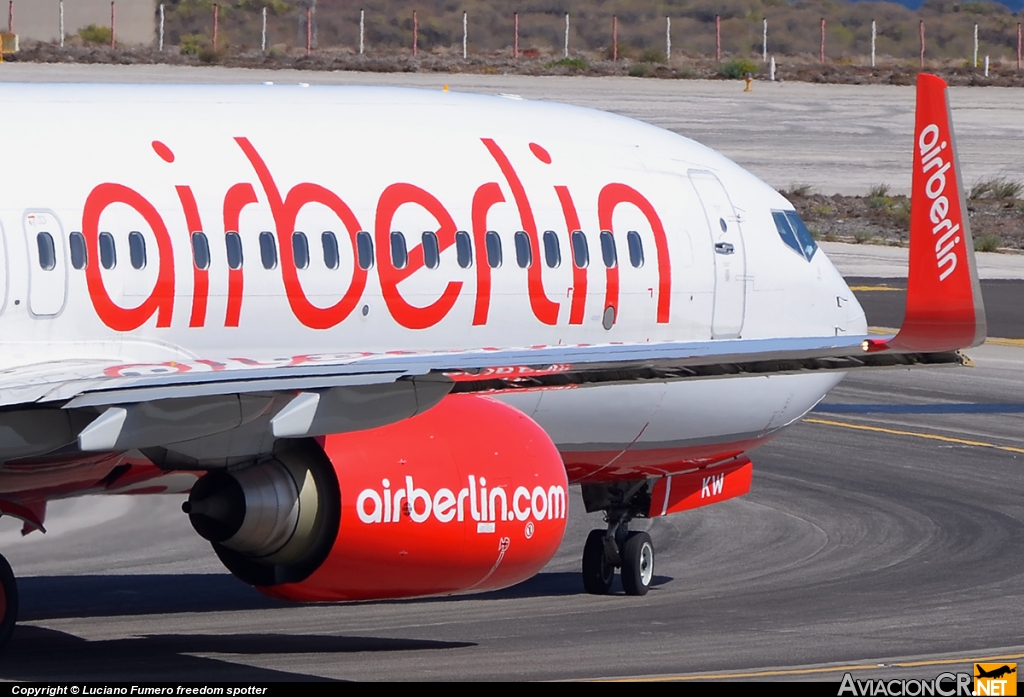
<point x="515" y="41"/>
<point x="566" y="34"/>
<point x="922" y="42"/>
<point x="975" y="62"/>
<point x="873" y="34"/>
<point x="362" y="29"/>
<point x="465" y="34"/>
<point x="823" y="41"/>
<point x="718" y="38"/>
<point x="263" y="35"/>
<point x="615" y="38"/>
<point x="668" y="39"/>
<point x="10" y="17"/>
<point x="216" y="24"/>
<point x="60" y="28"/>
<point x="415" y="34"/>
<point x="113" y="26"/>
<point x="764" y="41"/>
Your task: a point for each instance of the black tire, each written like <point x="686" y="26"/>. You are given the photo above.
<point x="8" y="602"/>
<point x="598" y="572"/>
<point x="637" y="563"/>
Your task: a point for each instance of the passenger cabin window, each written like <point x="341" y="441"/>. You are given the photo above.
<point x="552" y="250"/>
<point x="524" y="254"/>
<point x="47" y="252"/>
<point x="329" y="242"/>
<point x="794" y="233"/>
<point x="79" y="255"/>
<point x="399" y="252"/>
<point x="137" y="250"/>
<point x="300" y="250"/>
<point x="364" y="249"/>
<point x="108" y="254"/>
<point x="608" y="253"/>
<point x="580" y="250"/>
<point x="493" y="242"/>
<point x="268" y="250"/>
<point x="233" y="244"/>
<point x="431" y="250"/>
<point x="200" y="251"/>
<point x="463" y="249"/>
<point x="636" y="249"/>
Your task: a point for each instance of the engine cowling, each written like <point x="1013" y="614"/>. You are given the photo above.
<point x="469" y="496"/>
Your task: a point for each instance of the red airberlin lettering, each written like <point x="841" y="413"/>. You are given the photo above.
<point x="200" y="277"/>
<point x="160" y="301"/>
<point x="285" y="212"/>
<point x="486" y="197"/>
<point x="543" y="307"/>
<point x="406" y="314"/>
<point x="579" y="275"/>
<point x="611" y="196"/>
<point x="572" y="224"/>
<point x="238" y="197"/>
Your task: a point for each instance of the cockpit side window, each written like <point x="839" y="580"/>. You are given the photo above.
<point x="795" y="234"/>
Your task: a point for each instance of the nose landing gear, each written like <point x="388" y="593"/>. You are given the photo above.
<point x="632" y="552"/>
<point x="8" y="601"/>
<point x="617" y="547"/>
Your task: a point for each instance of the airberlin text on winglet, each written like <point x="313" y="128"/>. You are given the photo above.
<point x="935" y="188"/>
<point x="285" y="208"/>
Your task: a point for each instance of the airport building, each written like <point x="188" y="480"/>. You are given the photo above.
<point x="37" y="20"/>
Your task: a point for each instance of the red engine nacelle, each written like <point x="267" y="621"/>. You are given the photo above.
<point x="471" y="495"/>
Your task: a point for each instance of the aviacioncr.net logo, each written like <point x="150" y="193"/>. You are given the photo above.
<point x="944" y="685"/>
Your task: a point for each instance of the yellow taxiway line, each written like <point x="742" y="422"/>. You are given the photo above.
<point x="915" y="434"/>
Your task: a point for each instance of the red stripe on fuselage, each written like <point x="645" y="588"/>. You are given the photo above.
<point x="597" y="466"/>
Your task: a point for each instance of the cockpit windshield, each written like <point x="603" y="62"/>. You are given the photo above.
<point x="795" y="234"/>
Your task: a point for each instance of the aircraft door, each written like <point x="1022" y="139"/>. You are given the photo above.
<point x="729" y="254"/>
<point x="47" y="267"/>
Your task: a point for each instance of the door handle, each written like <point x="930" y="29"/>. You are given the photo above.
<point x="724" y="248"/>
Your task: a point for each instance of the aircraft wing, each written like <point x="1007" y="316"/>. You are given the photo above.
<point x="99" y="384"/>
<point x="147" y="405"/>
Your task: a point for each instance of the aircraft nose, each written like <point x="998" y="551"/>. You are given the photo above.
<point x="850" y="318"/>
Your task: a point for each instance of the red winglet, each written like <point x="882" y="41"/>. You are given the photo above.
<point x="944" y="304"/>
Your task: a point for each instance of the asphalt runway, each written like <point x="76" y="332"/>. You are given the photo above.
<point x="887" y="528"/>
<point x="884" y="534"/>
<point x="884" y="300"/>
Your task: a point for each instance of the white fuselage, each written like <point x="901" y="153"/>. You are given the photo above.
<point x="136" y="169"/>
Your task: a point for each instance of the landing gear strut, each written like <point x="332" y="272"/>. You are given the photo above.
<point x="8" y="601"/>
<point x="617" y="547"/>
